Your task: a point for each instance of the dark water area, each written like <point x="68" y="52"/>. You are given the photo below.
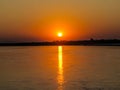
<point x="60" y="68"/>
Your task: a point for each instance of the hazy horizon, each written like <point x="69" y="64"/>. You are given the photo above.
<point x="40" y="20"/>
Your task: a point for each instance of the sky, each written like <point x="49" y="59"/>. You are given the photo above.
<point x="40" y="20"/>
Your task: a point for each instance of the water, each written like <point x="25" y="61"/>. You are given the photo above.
<point x="60" y="68"/>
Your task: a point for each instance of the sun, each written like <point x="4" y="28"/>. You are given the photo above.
<point x="60" y="34"/>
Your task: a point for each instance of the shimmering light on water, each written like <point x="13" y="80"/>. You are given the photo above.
<point x="60" y="68"/>
<point x="60" y="77"/>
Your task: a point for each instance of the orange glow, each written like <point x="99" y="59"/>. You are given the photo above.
<point x="60" y="34"/>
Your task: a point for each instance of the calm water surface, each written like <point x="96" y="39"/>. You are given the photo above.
<point x="60" y="68"/>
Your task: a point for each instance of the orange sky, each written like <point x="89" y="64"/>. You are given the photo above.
<point x="41" y="20"/>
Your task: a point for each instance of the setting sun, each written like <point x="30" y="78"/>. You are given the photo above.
<point x="60" y="34"/>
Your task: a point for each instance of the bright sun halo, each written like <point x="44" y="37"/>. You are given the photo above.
<point x="60" y="34"/>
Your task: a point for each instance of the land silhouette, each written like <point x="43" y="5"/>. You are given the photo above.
<point x="91" y="42"/>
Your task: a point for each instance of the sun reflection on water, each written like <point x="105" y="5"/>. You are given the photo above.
<point x="60" y="77"/>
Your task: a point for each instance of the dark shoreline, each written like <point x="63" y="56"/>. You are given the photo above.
<point x="91" y="42"/>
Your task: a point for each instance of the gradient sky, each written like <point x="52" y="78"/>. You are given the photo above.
<point x="40" y="20"/>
